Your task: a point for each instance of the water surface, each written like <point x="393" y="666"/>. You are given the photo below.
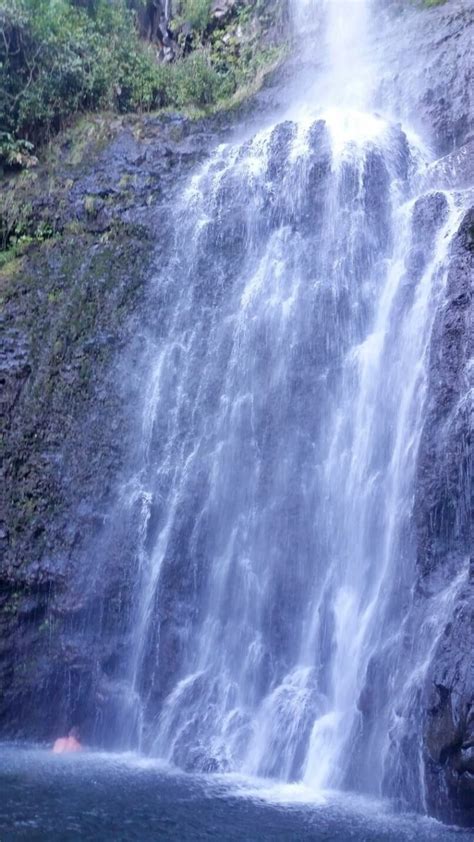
<point x="125" y="797"/>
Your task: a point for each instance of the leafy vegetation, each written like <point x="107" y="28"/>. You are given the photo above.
<point x="61" y="57"/>
<point x="195" y="12"/>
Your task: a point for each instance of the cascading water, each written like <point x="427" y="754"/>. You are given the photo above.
<point x="281" y="425"/>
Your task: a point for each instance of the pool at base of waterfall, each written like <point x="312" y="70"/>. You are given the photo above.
<point x="117" y="797"/>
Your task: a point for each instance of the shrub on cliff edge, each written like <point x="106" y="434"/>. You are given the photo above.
<point x="60" y="57"/>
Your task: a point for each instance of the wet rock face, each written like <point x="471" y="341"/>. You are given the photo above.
<point x="454" y="171"/>
<point x="443" y="507"/>
<point x="449" y="720"/>
<point x="221" y="9"/>
<point x="153" y="20"/>
<point x="430" y="75"/>
<point x="445" y="459"/>
<point x="75" y="323"/>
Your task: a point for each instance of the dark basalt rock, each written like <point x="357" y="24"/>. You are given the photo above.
<point x="430" y="76"/>
<point x="445" y="458"/>
<point x="72" y="306"/>
<point x="444" y="522"/>
<point x="222" y="9"/>
<point x="429" y="214"/>
<point x="279" y="147"/>
<point x="466" y="759"/>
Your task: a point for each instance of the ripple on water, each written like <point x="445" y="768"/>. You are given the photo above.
<point x="121" y="797"/>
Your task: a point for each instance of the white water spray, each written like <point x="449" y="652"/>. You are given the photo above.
<point x="281" y="430"/>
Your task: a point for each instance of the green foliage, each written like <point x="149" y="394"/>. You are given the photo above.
<point x="16" y="153"/>
<point x="55" y="59"/>
<point x="19" y="225"/>
<point x="195" y="81"/>
<point x="61" y="57"/>
<point x="196" y="12"/>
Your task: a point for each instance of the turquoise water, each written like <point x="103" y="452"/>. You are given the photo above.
<point x="124" y="797"/>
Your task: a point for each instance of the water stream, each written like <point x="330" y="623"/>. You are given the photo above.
<point x="282" y="416"/>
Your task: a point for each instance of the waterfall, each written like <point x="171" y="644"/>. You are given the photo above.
<point x="283" y="410"/>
